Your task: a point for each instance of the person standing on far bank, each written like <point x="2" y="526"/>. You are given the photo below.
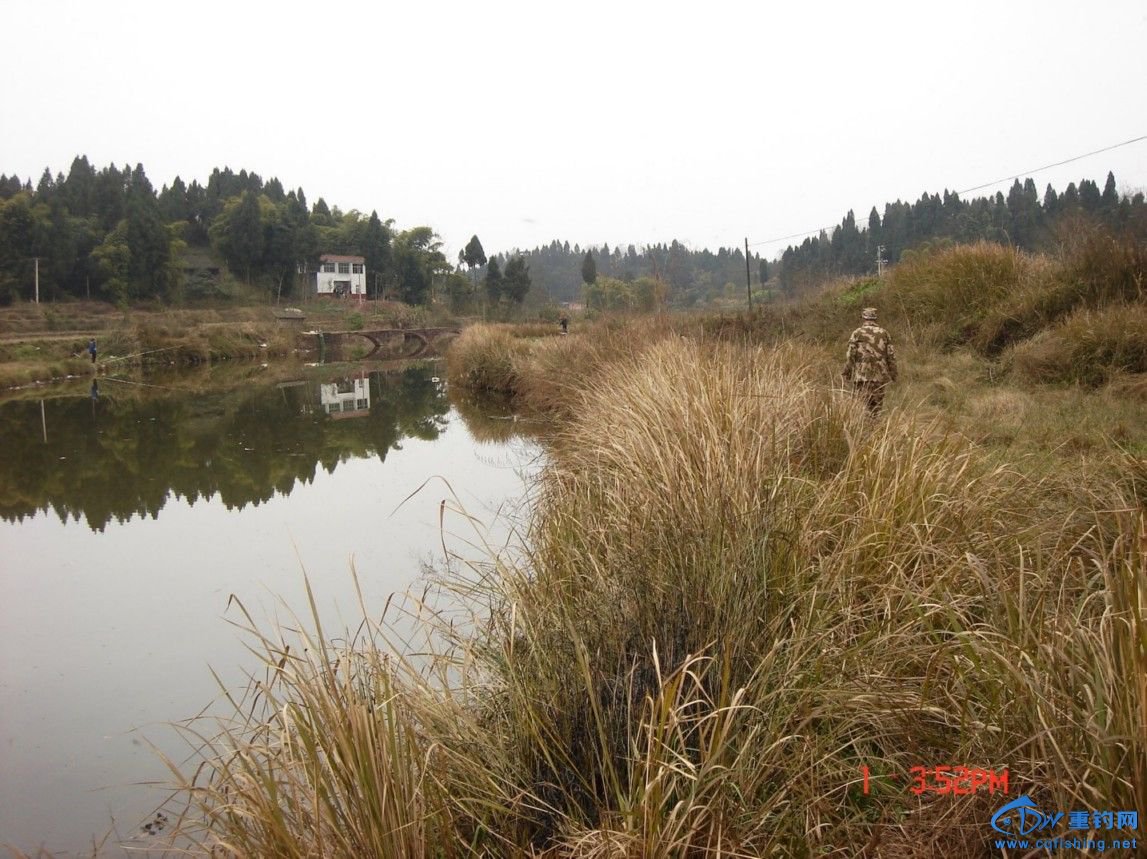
<point x="871" y="361"/>
<point x="92" y="349"/>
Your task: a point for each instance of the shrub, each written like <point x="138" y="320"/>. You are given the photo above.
<point x="1090" y="347"/>
<point x="945" y="295"/>
<point x="485" y="357"/>
<point x="1095" y="268"/>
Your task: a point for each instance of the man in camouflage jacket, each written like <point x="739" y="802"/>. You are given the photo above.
<point x="871" y="361"/>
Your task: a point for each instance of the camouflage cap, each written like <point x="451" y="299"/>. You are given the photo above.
<point x="869" y="313"/>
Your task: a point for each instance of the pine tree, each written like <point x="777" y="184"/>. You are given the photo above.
<point x="1110" y="198"/>
<point x="493" y="281"/>
<point x="150" y="273"/>
<point x="588" y="269"/>
<point x="473" y="255"/>
<point x="1089" y="197"/>
<point x="377" y="247"/>
<point x="516" y="280"/>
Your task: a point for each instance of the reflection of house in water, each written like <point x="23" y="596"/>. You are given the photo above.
<point x="347" y="398"/>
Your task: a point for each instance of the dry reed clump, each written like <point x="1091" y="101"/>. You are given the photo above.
<point x="1104" y="267"/>
<point x="485" y="358"/>
<point x="738" y="590"/>
<point x="740" y="593"/>
<point x="321" y="757"/>
<point x="1089" y="347"/>
<point x="544" y="373"/>
<point x="945" y="295"/>
<point x="559" y="368"/>
<point x="1095" y="269"/>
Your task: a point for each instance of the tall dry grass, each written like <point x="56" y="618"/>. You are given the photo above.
<point x="943" y="297"/>
<point x="485" y="358"/>
<point x="1091" y="347"/>
<point x="544" y="374"/>
<point x="737" y="591"/>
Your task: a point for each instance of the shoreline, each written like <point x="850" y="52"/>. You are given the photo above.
<point x="46" y="344"/>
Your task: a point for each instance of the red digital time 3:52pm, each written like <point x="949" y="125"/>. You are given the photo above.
<point x="944" y="780"/>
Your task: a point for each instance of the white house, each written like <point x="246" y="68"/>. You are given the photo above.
<point x="341" y="275"/>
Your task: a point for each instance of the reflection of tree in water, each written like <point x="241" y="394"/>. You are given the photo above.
<point x="244" y="446"/>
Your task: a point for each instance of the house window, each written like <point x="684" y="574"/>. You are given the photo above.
<point x="357" y="268"/>
<point x="344" y="268"/>
<point x="329" y="266"/>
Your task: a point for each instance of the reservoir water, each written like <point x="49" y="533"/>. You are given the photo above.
<point x="135" y="514"/>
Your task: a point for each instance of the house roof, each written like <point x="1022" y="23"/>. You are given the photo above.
<point x="340" y="258"/>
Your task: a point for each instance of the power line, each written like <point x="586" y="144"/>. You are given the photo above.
<point x="976" y="188"/>
<point x="1056" y="164"/>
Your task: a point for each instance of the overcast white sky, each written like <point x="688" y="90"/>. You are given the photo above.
<point x="619" y="122"/>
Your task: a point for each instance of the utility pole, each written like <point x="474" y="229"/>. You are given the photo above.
<point x="37" y="259"/>
<point x="748" y="276"/>
<point x="880" y="261"/>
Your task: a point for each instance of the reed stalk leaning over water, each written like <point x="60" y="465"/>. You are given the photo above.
<point x="735" y="593"/>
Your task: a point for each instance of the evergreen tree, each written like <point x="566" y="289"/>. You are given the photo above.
<point x="173" y="202"/>
<point x="197" y="214"/>
<point x="1070" y="198"/>
<point x="874" y="231"/>
<point x="285" y="241"/>
<point x="25" y="232"/>
<point x="238" y="234"/>
<point x="150" y="270"/>
<point x="113" y="264"/>
<point x="376" y="248"/>
<point x="493" y="282"/>
<point x="1023" y="206"/>
<point x="516" y="280"/>
<point x="47" y="186"/>
<point x="79" y="187"/>
<point x="1110" y="197"/>
<point x="473" y="255"/>
<point x="588" y="269"/>
<point x="1089" y="197"/>
<point x="110" y="199"/>
<point x="274" y="191"/>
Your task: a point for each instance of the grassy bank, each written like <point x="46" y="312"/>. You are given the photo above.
<point x="743" y="611"/>
<point x="41" y="343"/>
<point x="737" y="593"/>
<point x="1029" y="354"/>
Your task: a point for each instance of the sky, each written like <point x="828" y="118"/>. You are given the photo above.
<point x="592" y="122"/>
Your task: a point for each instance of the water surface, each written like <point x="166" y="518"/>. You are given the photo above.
<point x="131" y="515"/>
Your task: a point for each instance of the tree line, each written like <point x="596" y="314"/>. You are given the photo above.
<point x="676" y="276"/>
<point x="107" y="234"/>
<point x="612" y="278"/>
<point x="1020" y="218"/>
